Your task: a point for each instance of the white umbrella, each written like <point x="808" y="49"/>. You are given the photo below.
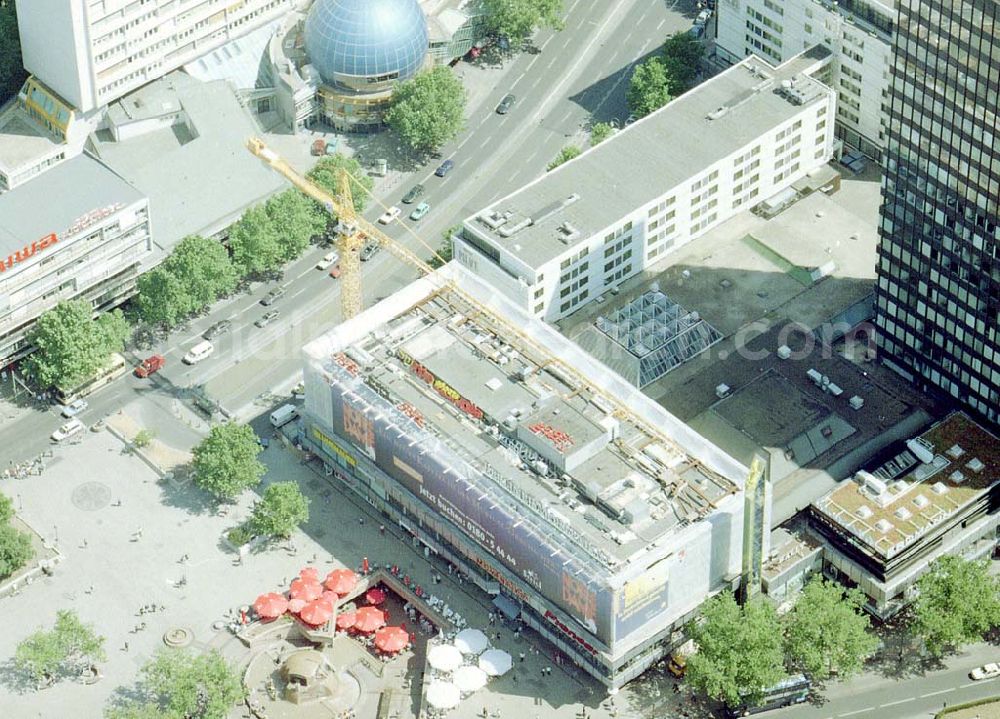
<point x="469" y="679"/>
<point x="471" y="641"/>
<point x="443" y="695"/>
<point x="495" y="662"/>
<point x="445" y="657"/>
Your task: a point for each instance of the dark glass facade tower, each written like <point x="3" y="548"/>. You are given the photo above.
<point x="938" y="292"/>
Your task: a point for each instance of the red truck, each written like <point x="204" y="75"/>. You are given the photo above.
<point x="149" y="365"/>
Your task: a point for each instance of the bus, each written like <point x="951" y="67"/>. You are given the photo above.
<point x="115" y="368"/>
<point x="791" y="690"/>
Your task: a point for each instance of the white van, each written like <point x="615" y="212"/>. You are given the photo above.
<point x="283" y="415"/>
<point x="199" y="352"/>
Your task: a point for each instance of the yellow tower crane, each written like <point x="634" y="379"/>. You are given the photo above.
<point x="354" y="231"/>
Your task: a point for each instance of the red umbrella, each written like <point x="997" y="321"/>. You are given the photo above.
<point x="316" y="612"/>
<point x="368" y="619"/>
<point x="310" y="573"/>
<point x="346" y="620"/>
<point x="341" y="581"/>
<point x="331" y="597"/>
<point x="295" y="605"/>
<point x="391" y="639"/>
<point x="364" y="565"/>
<point x="306" y="589"/>
<point x="375" y="595"/>
<point x="271" y="605"/>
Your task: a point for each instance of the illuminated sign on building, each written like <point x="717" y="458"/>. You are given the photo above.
<point x="569" y="632"/>
<point x="80" y="224"/>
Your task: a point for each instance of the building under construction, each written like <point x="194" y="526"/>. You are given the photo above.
<point x="579" y="504"/>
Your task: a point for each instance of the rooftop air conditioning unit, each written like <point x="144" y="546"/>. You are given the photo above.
<point x="856" y="402"/>
<point x="815" y="376"/>
<point x="975" y="465"/>
<point x="955" y="451"/>
<point x="883" y="526"/>
<point x="723" y="391"/>
<point x="956" y="477"/>
<point x="920" y="450"/>
<point x="940" y="488"/>
<point x="784" y="352"/>
<point x="921" y="501"/>
<point x="902" y="513"/>
<point x="864" y="511"/>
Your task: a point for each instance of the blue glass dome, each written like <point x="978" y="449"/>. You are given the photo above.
<point x="366" y="38"/>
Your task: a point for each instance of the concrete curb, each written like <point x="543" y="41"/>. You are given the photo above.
<point x="138" y="452"/>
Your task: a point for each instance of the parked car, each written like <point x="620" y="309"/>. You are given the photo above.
<point x="267" y="318"/>
<point x="328" y="259"/>
<point x="987" y="671"/>
<point x="444" y="168"/>
<point x="271" y="297"/>
<point x="149" y="366"/>
<point x="335" y="272"/>
<point x="74" y="408"/>
<point x="703" y="17"/>
<point x="420" y="210"/>
<point x="220" y="327"/>
<point x="389" y="215"/>
<point x="369" y="251"/>
<point x="199" y="352"/>
<point x="505" y="104"/>
<point x="697" y="32"/>
<point x="413" y="193"/>
<point x="630" y="119"/>
<point x="74" y="426"/>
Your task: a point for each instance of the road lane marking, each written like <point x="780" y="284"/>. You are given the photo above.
<point x="892" y="704"/>
<point x="486" y="142"/>
<point x="934" y="694"/>
<point x="662" y="23"/>
<point x="859" y="711"/>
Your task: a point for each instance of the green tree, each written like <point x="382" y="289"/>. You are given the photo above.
<point x="225" y="462"/>
<point x="446" y="250"/>
<point x="957" y="602"/>
<point x="15" y="550"/>
<point x="204" y="269"/>
<point x="12" y="74"/>
<point x="739" y="650"/>
<point x="428" y="110"/>
<point x="6" y="509"/>
<point x="70" y="646"/>
<point x="297" y="219"/>
<point x="682" y="56"/>
<point x="600" y="132"/>
<point x="143" y="438"/>
<point x="71" y="346"/>
<point x="516" y="20"/>
<point x="255" y="243"/>
<point x="649" y="87"/>
<point x="162" y="299"/>
<point x="565" y="155"/>
<point x="827" y="631"/>
<point x="282" y="508"/>
<point x="325" y="173"/>
<point x="177" y="684"/>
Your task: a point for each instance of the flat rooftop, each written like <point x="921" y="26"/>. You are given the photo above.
<point x="592" y="459"/>
<point x="894" y="504"/>
<point x="22" y="142"/>
<point x="198" y="174"/>
<point x="644" y="160"/>
<point x="750" y="278"/>
<point x="56" y="199"/>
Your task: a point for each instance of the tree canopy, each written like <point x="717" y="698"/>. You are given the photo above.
<point x="682" y="55"/>
<point x="517" y="20"/>
<point x="12" y="74"/>
<point x="178" y="684"/>
<point x="565" y="155"/>
<point x="203" y="267"/>
<point x="827" y="631"/>
<point x="428" y="110"/>
<point x="446" y="249"/>
<point x="225" y="462"/>
<point x="297" y="220"/>
<point x="649" y="87"/>
<point x="282" y="508"/>
<point x="255" y="243"/>
<point x="957" y="602"/>
<point x="600" y="132"/>
<point x="70" y="646"/>
<point x="325" y="174"/>
<point x="161" y="298"/>
<point x="71" y="346"/>
<point x="15" y="550"/>
<point x="739" y="650"/>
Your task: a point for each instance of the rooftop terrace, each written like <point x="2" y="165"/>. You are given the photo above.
<point x="950" y="465"/>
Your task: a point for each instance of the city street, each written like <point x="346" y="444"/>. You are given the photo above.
<point x="576" y="74"/>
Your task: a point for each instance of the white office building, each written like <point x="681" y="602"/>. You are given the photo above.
<point x="79" y="231"/>
<point x="91" y="52"/>
<point x="858" y="34"/>
<point x="738" y="139"/>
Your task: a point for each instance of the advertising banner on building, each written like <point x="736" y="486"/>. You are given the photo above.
<point x="435" y="474"/>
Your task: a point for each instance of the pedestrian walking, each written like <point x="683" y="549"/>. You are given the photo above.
<point x="361" y="521"/>
<point x="125" y="648"/>
<point x="381" y="529"/>
<point x="521" y="656"/>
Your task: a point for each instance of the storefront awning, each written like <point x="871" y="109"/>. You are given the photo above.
<point x="510" y="608"/>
